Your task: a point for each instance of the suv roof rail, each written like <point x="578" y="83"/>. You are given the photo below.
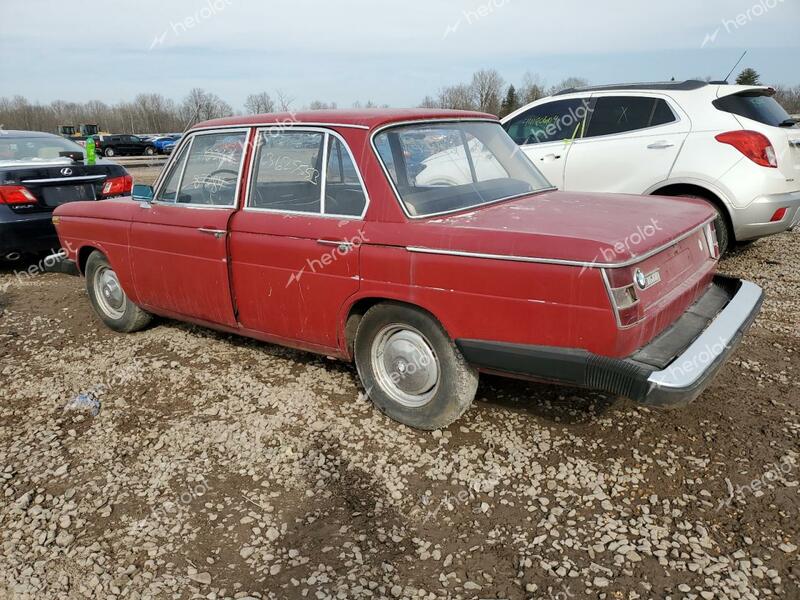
<point x="681" y="86"/>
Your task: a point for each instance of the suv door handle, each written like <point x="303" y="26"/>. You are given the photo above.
<point x="663" y="144"/>
<point x="217" y="233"/>
<point x="550" y="157"/>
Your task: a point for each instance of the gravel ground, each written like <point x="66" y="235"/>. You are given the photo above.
<point x="219" y="467"/>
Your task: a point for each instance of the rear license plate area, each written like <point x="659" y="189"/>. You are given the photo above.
<point x="62" y="194"/>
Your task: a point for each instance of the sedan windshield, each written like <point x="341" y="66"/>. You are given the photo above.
<point x="445" y="167"/>
<point x="35" y="148"/>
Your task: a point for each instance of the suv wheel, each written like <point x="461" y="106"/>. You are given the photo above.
<point x="411" y="369"/>
<point x="149" y="151"/>
<point x="109" y="152"/>
<point x="724" y="236"/>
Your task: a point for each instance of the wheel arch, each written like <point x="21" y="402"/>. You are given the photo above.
<point x="358" y="307"/>
<point x="693" y="189"/>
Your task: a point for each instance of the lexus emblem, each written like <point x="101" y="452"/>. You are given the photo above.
<point x="66" y="171"/>
<point x="640" y="279"/>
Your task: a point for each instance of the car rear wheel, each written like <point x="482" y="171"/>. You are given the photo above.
<point x="724" y="236"/>
<point x="108" y="298"/>
<point x="411" y="369"/>
<point x="149" y="151"/>
<point x="109" y="152"/>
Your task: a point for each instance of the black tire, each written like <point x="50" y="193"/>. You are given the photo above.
<point x="149" y="151"/>
<point x="108" y="298"/>
<point x="724" y="236"/>
<point x="396" y="330"/>
<point x="109" y="152"/>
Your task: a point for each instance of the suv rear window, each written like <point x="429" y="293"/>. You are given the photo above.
<point x="757" y="106"/>
<point x="620" y="114"/>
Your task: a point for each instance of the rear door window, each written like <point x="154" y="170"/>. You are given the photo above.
<point x="756" y="106"/>
<point x="621" y="114"/>
<point x="344" y="194"/>
<point x="550" y="122"/>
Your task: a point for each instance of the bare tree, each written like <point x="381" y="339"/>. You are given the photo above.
<point x="532" y="88"/>
<point x="319" y="105"/>
<point x="259" y="103"/>
<point x="284" y="101"/>
<point x="487" y="85"/>
<point x="569" y="83"/>
<point x="461" y="96"/>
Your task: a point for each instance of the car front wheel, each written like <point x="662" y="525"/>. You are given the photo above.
<point x="109" y="152"/>
<point x="108" y="298"/>
<point x="411" y="369"/>
<point x="149" y="151"/>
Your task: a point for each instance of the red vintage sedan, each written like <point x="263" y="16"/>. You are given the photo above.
<point x="423" y="246"/>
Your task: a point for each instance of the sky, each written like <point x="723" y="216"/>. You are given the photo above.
<point x="390" y="52"/>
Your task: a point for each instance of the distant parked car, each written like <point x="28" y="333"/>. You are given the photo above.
<point x="35" y="179"/>
<point x="322" y="238"/>
<point x="123" y="145"/>
<point x="733" y="146"/>
<point x="164" y="144"/>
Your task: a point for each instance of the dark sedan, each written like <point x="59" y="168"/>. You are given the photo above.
<point x="38" y="172"/>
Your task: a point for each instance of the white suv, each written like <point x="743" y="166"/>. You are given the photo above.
<point x="731" y="145"/>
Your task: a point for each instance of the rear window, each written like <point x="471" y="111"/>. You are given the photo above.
<point x="756" y="106"/>
<point x="35" y="148"/>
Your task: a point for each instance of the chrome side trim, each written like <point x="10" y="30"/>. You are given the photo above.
<point x="713" y="344"/>
<point x="66" y="179"/>
<point x="558" y="261"/>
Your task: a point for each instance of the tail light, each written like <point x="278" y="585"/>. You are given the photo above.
<point x="711" y="240"/>
<point x="622" y="291"/>
<point x="16" y="194"/>
<point x="755" y="146"/>
<point x="117" y="186"/>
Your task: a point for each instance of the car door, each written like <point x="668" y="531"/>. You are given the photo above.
<point x="178" y="242"/>
<point x="295" y="245"/>
<point x="545" y="132"/>
<point x="135" y="145"/>
<point x="630" y="143"/>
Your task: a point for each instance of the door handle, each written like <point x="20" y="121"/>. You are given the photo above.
<point x="342" y="245"/>
<point x="662" y="145"/>
<point x="217" y="233"/>
<point x="550" y="157"/>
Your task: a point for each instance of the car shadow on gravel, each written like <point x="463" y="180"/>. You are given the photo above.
<point x="550" y="402"/>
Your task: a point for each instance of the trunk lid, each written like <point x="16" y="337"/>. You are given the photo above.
<point x="58" y="181"/>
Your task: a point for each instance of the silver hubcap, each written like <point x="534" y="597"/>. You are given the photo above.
<point x="109" y="294"/>
<point x="405" y="365"/>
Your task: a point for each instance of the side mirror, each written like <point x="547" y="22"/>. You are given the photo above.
<point x="143" y="193"/>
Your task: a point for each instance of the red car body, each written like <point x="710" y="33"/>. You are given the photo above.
<point x="524" y="286"/>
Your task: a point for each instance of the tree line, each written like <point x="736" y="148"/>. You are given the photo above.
<point x="486" y="91"/>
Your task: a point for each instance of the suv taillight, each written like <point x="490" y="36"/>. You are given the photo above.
<point x="117" y="186"/>
<point x="16" y="194"/>
<point x="755" y="146"/>
<point x="622" y="291"/>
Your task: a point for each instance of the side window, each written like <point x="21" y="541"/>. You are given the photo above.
<point x="134" y="140"/>
<point x="212" y="169"/>
<point x="620" y="114"/>
<point x="169" y="190"/>
<point x="344" y="194"/>
<point x="287" y="173"/>
<point x="551" y="122"/>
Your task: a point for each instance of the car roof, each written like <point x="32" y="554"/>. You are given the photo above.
<point x="676" y="86"/>
<point x="360" y="118"/>
<point x="19" y="133"/>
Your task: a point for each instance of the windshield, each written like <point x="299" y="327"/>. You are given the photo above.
<point x="35" y="148"/>
<point x="446" y="167"/>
